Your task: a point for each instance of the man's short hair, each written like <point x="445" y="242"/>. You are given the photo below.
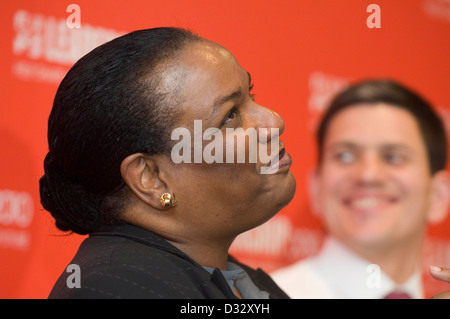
<point x="391" y="92"/>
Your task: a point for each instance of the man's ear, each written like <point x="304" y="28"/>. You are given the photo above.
<point x="439" y="197"/>
<point x="141" y="174"/>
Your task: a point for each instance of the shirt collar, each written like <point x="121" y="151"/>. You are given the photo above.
<point x="236" y="276"/>
<point x="347" y="273"/>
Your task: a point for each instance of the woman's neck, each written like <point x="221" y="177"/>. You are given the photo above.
<point x="210" y="254"/>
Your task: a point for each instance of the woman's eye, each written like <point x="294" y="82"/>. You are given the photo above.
<point x="230" y="116"/>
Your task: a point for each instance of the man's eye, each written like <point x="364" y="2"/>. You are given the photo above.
<point x="345" y="157"/>
<point x="393" y="158"/>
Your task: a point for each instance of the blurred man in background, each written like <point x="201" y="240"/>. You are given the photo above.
<point x="380" y="181"/>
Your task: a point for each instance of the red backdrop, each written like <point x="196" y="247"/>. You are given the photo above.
<point x="298" y="52"/>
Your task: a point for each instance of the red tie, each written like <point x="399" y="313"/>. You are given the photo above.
<point x="397" y="295"/>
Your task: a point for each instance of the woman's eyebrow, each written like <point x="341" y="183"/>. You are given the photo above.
<point x="218" y="102"/>
<point x="237" y="94"/>
<point x="222" y="100"/>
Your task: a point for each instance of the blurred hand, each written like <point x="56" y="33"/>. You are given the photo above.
<point x="443" y="274"/>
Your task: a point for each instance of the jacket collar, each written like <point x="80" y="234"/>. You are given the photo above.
<point x="142" y="236"/>
<point x="149" y="238"/>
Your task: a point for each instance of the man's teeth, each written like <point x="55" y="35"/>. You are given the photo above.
<point x="365" y="203"/>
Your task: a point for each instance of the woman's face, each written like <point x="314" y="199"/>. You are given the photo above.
<point x="217" y="195"/>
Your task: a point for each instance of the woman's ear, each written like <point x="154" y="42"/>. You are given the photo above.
<point x="439" y="197"/>
<point x="142" y="176"/>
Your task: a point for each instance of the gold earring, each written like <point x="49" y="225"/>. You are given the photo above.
<point x="167" y="200"/>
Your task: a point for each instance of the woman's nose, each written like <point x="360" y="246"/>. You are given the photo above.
<point x="269" y="124"/>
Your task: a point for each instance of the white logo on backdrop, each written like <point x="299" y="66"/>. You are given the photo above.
<point x="46" y="46"/>
<point x="438" y="9"/>
<point x="16" y="215"/>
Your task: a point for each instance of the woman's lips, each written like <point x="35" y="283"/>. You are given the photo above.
<point x="281" y="163"/>
<point x="284" y="160"/>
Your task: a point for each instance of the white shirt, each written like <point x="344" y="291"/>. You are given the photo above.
<point x="337" y="272"/>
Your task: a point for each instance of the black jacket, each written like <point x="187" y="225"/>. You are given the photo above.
<point x="130" y="262"/>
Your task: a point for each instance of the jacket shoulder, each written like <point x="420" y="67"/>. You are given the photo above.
<point x="115" y="267"/>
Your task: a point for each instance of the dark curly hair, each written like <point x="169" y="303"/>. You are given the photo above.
<point x="107" y="107"/>
<point x="373" y="91"/>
